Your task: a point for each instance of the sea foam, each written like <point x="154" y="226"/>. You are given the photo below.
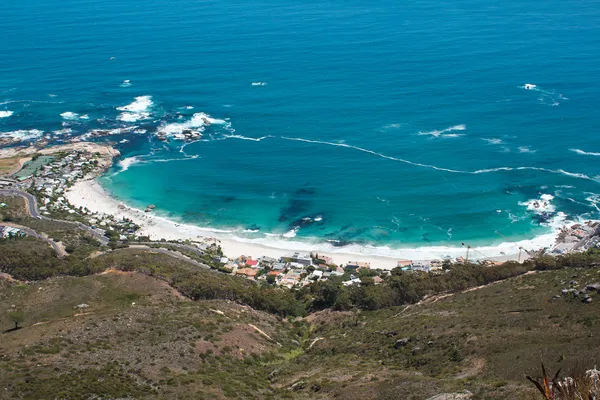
<point x="72" y="116"/>
<point x="22" y="134"/>
<point x="138" y="110"/>
<point x="445" y="132"/>
<point x="585" y="153"/>
<point x="198" y="122"/>
<point x="6" y="114"/>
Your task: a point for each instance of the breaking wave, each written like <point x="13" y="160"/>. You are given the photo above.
<point x="198" y="122"/>
<point x="138" y="110"/>
<point x="455" y="171"/>
<point x="585" y="153"/>
<point x="247" y="138"/>
<point x="493" y="140"/>
<point x="6" y="114"/>
<point x="72" y="116"/>
<point x="22" y="134"/>
<point x="445" y="132"/>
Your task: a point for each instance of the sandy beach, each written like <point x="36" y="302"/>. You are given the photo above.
<point x="89" y="194"/>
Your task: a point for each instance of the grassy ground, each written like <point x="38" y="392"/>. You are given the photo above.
<point x="483" y="340"/>
<point x="137" y="337"/>
<point x="9" y="165"/>
<point x="15" y="208"/>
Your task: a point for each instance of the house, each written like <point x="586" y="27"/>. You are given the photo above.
<point x="252" y="263"/>
<point x="292" y="278"/>
<point x="357" y="265"/>
<point x="404" y="264"/>
<point x="7" y="232"/>
<point x="316" y="275"/>
<point x="353" y="281"/>
<point x="377" y="280"/>
<point x="279" y="266"/>
<point x="248" y="272"/>
<point x="303" y="259"/>
<point x="267" y="260"/>
<point x="321" y="259"/>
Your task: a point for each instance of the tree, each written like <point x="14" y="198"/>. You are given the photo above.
<point x="17" y="317"/>
<point x="270" y="279"/>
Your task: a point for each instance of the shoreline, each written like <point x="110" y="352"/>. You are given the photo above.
<point x="91" y="195"/>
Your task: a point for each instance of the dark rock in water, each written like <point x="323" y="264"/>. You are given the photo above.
<point x="348" y="235"/>
<point x="543" y="217"/>
<point x="306" y="191"/>
<point x="294" y="209"/>
<point x="401" y="343"/>
<point x="228" y="199"/>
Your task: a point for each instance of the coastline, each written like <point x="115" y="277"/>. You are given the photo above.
<point x="91" y="195"/>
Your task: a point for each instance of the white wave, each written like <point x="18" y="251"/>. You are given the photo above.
<point x="247" y="138"/>
<point x="139" y="109"/>
<point x="541" y="205"/>
<point x="22" y="134"/>
<point x="526" y="149"/>
<point x="291" y="234"/>
<point x="376" y="154"/>
<point x="198" y="122"/>
<point x="391" y="126"/>
<point x="6" y="114"/>
<point x="65" y="131"/>
<point x="124" y="141"/>
<point x="164" y="160"/>
<point x="455" y="171"/>
<point x="492" y="140"/>
<point x="126" y="163"/>
<point x="594" y="200"/>
<point x="126" y="83"/>
<point x="585" y="153"/>
<point x="318" y="218"/>
<point x="259" y="83"/>
<point x="444" y="132"/>
<point x="72" y="116"/>
<point x="549" y="97"/>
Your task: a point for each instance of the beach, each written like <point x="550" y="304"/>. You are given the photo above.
<point x="90" y="194"/>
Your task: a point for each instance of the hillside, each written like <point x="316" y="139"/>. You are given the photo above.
<point x="142" y="338"/>
<point x="151" y="322"/>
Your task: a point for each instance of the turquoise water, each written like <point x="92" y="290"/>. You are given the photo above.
<point x="400" y="124"/>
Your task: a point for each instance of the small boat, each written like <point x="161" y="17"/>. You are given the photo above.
<point x="530" y="86"/>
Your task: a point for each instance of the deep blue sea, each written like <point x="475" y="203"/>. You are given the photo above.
<point x="388" y="123"/>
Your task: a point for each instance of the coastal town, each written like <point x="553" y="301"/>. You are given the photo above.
<point x="49" y="176"/>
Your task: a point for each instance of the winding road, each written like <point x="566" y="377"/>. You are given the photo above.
<point x="33" y="210"/>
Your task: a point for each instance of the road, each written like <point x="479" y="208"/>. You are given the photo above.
<point x="60" y="251"/>
<point x="33" y="210"/>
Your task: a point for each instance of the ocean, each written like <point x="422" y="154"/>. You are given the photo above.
<point x="343" y="124"/>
